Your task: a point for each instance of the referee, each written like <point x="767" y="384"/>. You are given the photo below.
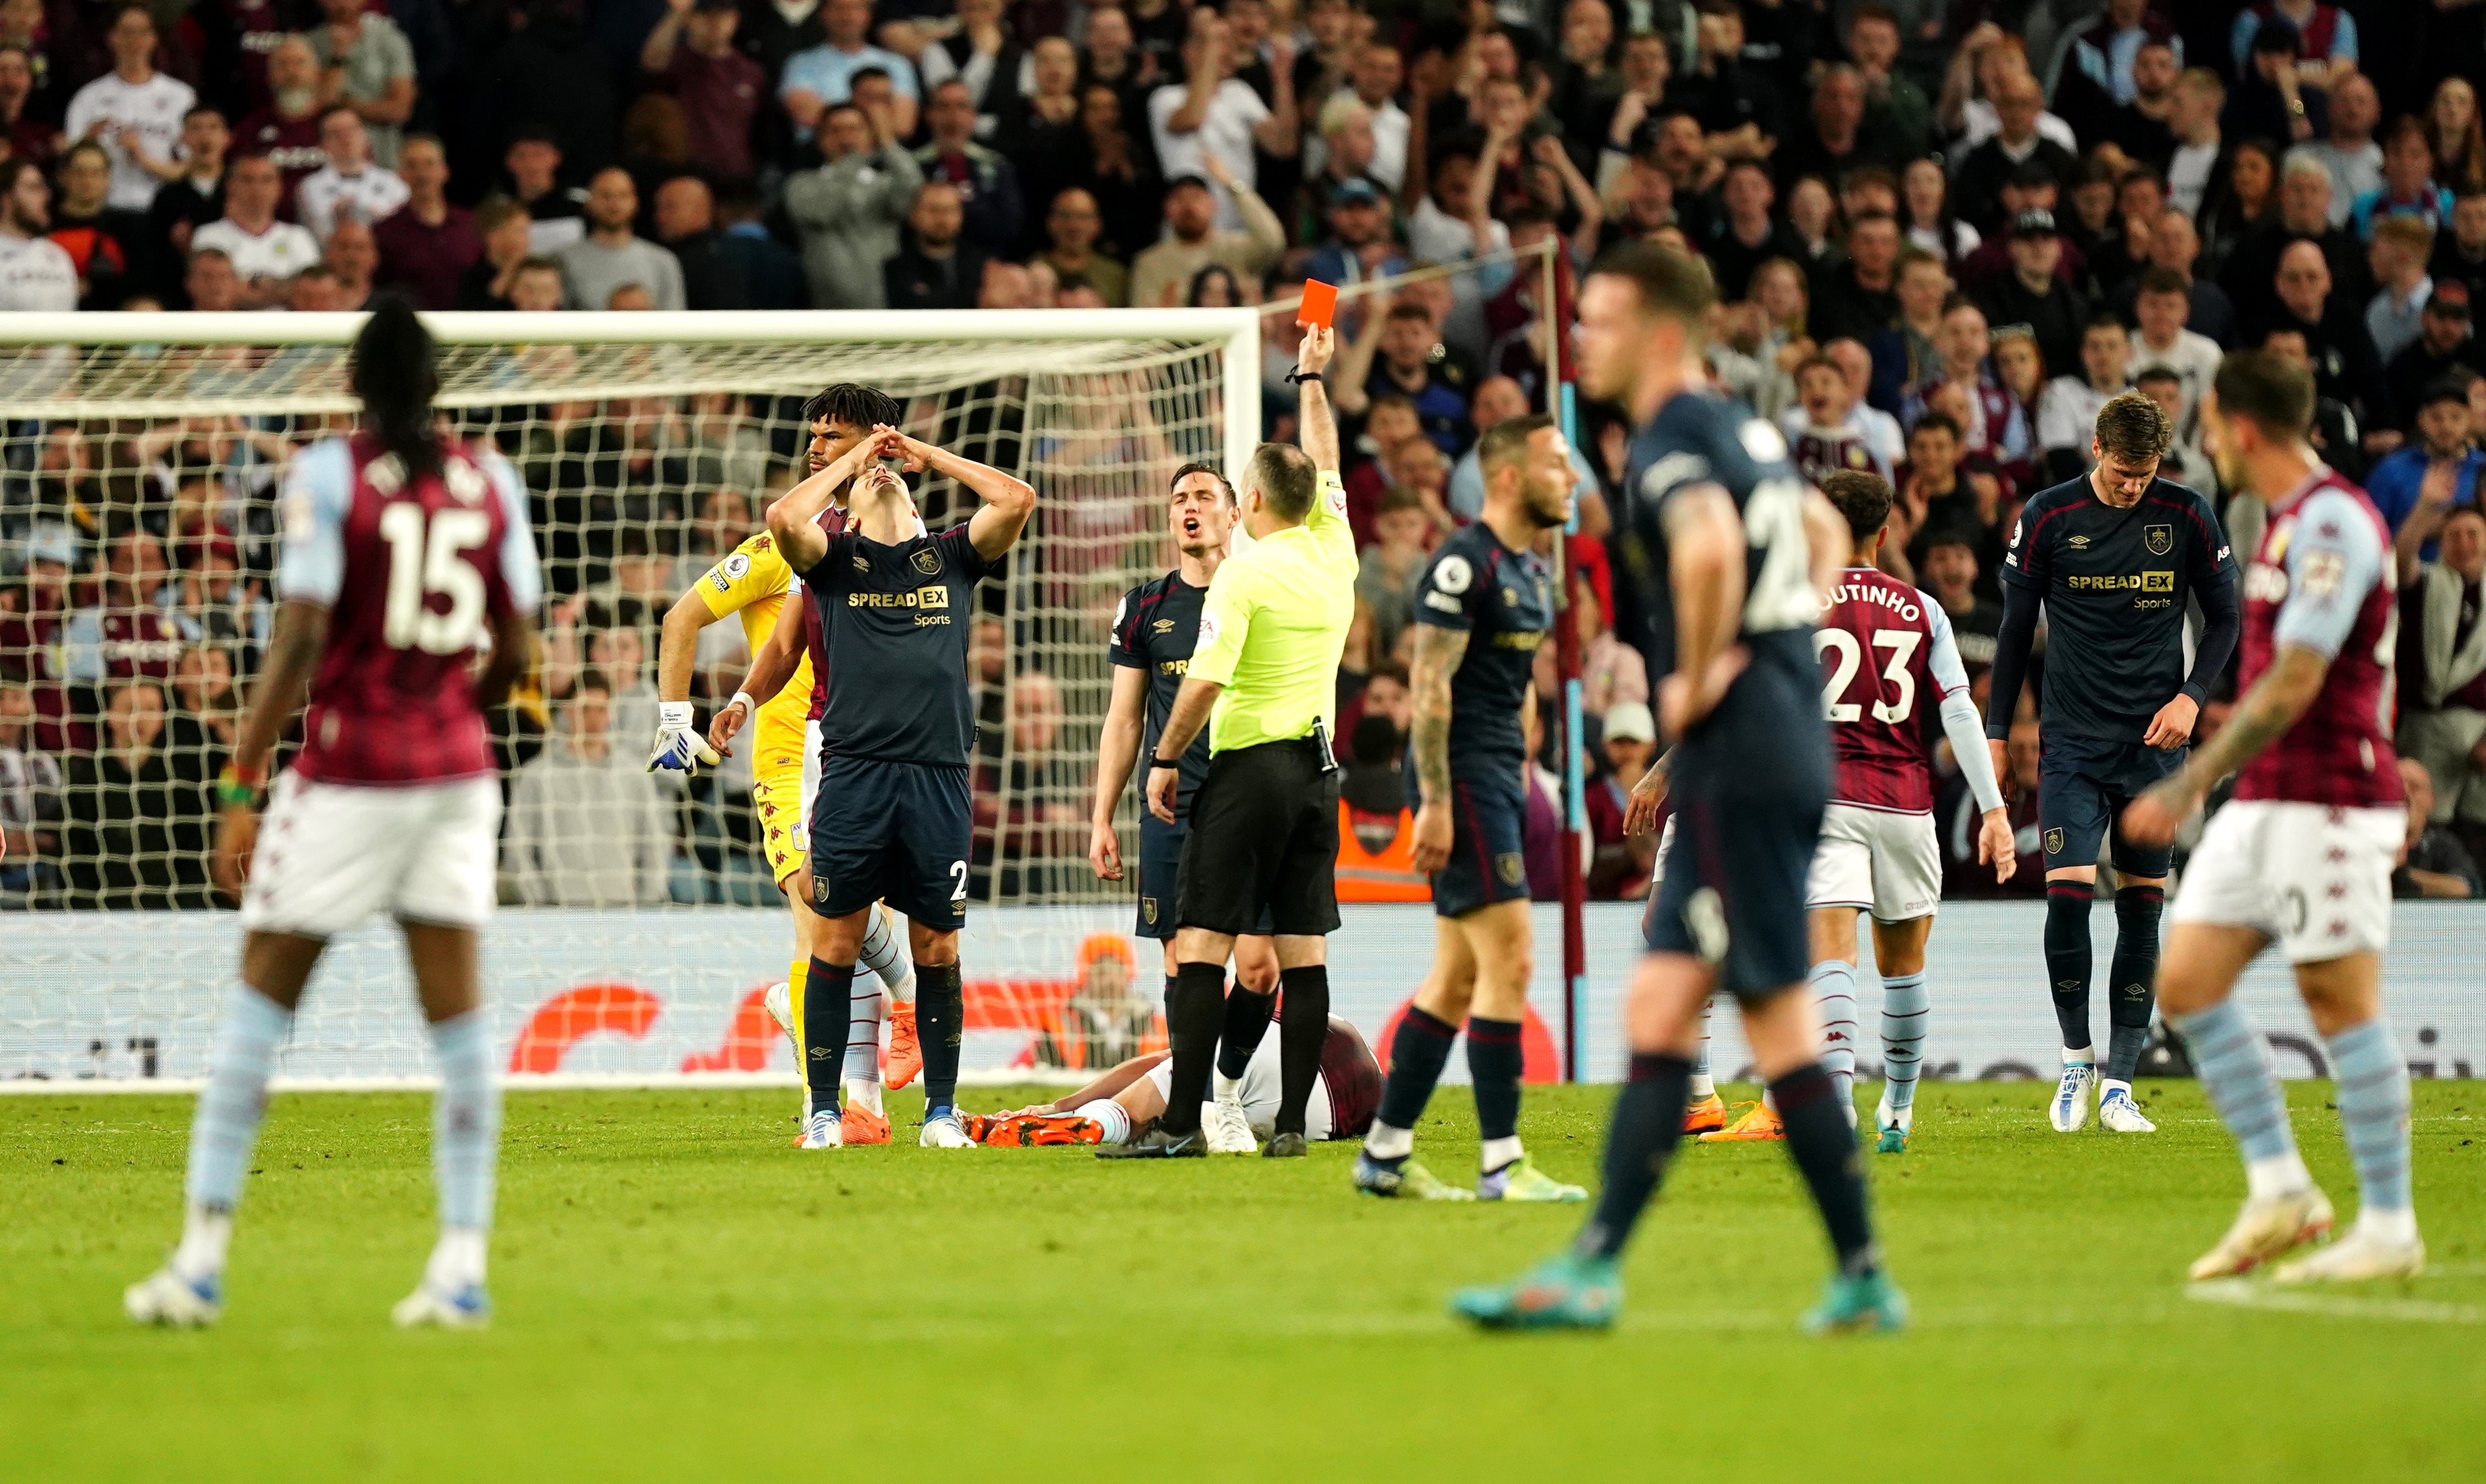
<point x="1264" y="821"/>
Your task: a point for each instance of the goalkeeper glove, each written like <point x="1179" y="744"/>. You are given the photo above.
<point x="679" y="748"/>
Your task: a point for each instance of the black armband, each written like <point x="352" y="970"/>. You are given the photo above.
<point x="1299" y="378"/>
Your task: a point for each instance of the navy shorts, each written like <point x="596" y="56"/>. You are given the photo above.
<point x="2082" y="784"/>
<point x="1486" y="864"/>
<point x="1160" y="865"/>
<point x="892" y="832"/>
<point x="1733" y="892"/>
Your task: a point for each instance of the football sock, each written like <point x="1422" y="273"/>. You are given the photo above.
<point x="884" y="955"/>
<point x="1419" y="1048"/>
<point x="465" y="1120"/>
<point x="1247" y="1021"/>
<point x="225" y="1126"/>
<point x="864" y="1012"/>
<point x="1195" y="1010"/>
<point x="1833" y="992"/>
<point x="2132" y="977"/>
<point x="826" y="989"/>
<point x="2068" y="958"/>
<point x="1906" y="1008"/>
<point x="2234" y="1067"/>
<point x="940" y="1027"/>
<point x="1494" y="1063"/>
<point x="2373" y="1092"/>
<point x="1647" y="1125"/>
<point x="1702" y="1088"/>
<point x="1303" y="1024"/>
<point x="456" y="1259"/>
<point x="797" y="975"/>
<point x="1117" y="1122"/>
<point x="1823" y="1146"/>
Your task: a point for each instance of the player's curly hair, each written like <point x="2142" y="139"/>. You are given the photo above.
<point x="1864" y="498"/>
<point x="396" y="376"/>
<point x="852" y="403"/>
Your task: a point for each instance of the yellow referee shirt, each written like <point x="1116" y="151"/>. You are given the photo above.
<point x="1274" y="626"/>
<point x="753" y="581"/>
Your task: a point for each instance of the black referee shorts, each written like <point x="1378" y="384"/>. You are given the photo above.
<point x="1262" y="852"/>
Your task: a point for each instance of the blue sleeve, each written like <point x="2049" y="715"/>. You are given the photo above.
<point x="2334" y="559"/>
<point x="2343" y="36"/>
<point x="2392" y="491"/>
<point x="519" y="569"/>
<point x="318" y="494"/>
<point x="1446" y="594"/>
<point x="82" y="646"/>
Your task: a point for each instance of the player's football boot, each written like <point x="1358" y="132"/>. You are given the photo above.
<point x="905" y="1053"/>
<point x="165" y="1297"/>
<point x="860" y="1125"/>
<point x="1156" y="1141"/>
<point x="2354" y="1259"/>
<point x="1568" y="1292"/>
<point x="822" y="1130"/>
<point x="778" y="1002"/>
<point x="1030" y="1131"/>
<point x="1867" y="1302"/>
<point x="1758" y="1121"/>
<point x="1285" y="1146"/>
<point x="1895" y="1124"/>
<point x="2267" y="1226"/>
<point x="1228" y="1127"/>
<point x="466" y="1307"/>
<point x="2118" y="1113"/>
<point x="944" y="1133"/>
<point x="1706" y="1115"/>
<point x="1406" y="1180"/>
<point x="1521" y="1180"/>
<point x="2069" y="1111"/>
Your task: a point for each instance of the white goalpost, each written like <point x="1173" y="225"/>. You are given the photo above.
<point x="140" y="457"/>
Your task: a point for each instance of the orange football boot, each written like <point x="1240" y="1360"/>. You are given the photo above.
<point x="1706" y="1116"/>
<point x="1030" y="1131"/>
<point x="1759" y="1122"/>
<point x="905" y="1054"/>
<point x="863" y="1126"/>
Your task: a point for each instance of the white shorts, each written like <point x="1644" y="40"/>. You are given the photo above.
<point x="1262" y="1092"/>
<point x="2316" y="880"/>
<point x="331" y="854"/>
<point x="1871" y="859"/>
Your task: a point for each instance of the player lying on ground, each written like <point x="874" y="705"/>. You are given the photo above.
<point x="1132" y="1094"/>
<point x="2111" y="557"/>
<point x="893" y="818"/>
<point x="1155" y="630"/>
<point x="754" y="582"/>
<point x="404" y="552"/>
<point x="1734" y="553"/>
<point x="1484" y="606"/>
<point x="2302" y="855"/>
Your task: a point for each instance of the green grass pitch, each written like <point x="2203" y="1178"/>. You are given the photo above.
<point x="683" y="1296"/>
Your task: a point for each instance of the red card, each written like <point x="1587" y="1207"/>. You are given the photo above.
<point x="1320" y="304"/>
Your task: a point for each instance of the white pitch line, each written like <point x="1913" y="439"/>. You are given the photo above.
<point x="2245" y="1293"/>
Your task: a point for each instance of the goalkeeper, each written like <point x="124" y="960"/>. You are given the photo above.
<point x="752" y="582"/>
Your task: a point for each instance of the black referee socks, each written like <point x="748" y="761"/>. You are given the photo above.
<point x="1247" y="1021"/>
<point x="2131" y="988"/>
<point x="1303" y="1024"/>
<point x="2068" y="959"/>
<point x="1194" y="1009"/>
<point x="825" y="987"/>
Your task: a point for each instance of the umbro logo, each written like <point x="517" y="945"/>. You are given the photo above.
<point x="1165" y="625"/>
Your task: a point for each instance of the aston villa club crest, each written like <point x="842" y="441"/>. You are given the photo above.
<point x="927" y="562"/>
<point x="2160" y="539"/>
<point x="2054" y="843"/>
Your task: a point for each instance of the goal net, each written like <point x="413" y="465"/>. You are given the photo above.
<point x="139" y="462"/>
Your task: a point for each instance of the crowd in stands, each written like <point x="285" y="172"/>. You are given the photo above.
<point x="1943" y="231"/>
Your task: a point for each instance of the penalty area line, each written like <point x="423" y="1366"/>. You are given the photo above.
<point x="2245" y="1293"/>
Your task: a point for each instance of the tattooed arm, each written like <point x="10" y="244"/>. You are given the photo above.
<point x="2262" y="717"/>
<point x="1438" y="653"/>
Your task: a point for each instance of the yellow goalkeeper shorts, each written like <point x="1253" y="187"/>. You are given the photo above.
<point x="777" y="798"/>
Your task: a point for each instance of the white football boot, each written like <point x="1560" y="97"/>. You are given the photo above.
<point x="822" y="1131"/>
<point x="778" y="1002"/>
<point x="944" y="1133"/>
<point x="465" y="1307"/>
<point x="2267" y="1226"/>
<point x="2118" y="1113"/>
<point x="1228" y="1127"/>
<point x="2359" y="1256"/>
<point x="166" y="1297"/>
<point x="2069" y="1111"/>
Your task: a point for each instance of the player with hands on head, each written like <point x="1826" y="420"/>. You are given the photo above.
<point x="1484" y="605"/>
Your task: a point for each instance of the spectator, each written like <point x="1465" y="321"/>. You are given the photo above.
<point x="1391" y="567"/>
<point x="2432" y="861"/>
<point x="2193" y="118"/>
<point x="1375" y="78"/>
<point x="1896" y="111"/>
<point x="2184" y="462"/>
<point x="937" y="268"/>
<point x="504" y="229"/>
<point x="1070" y="233"/>
<point x="2444" y="348"/>
<point x="1860" y="298"/>
<point x="2067" y="412"/>
<point x="2173" y="246"/>
<point x="1987" y="166"/>
<point x="2445" y="441"/>
<point x="31" y="812"/>
<point x="556" y="214"/>
<point x="1497" y="399"/>
<point x="1908" y="353"/>
<point x="2460" y="254"/>
<point x="1822" y="441"/>
<point x="1939" y="497"/>
<point x="1950" y="573"/>
<point x="1962" y="875"/>
<point x="2348" y="153"/>
<point x="686" y="227"/>
<point x="770" y="274"/>
<point x="105" y="244"/>
<point x="2443" y="656"/>
<point x="353" y="257"/>
<point x="2304" y="216"/>
<point x="427" y="246"/>
<point x="2035" y="295"/>
<point x="1927" y="217"/>
<point x="1612" y="671"/>
<point x="2161" y="307"/>
<point x="2105" y="47"/>
<point x="612" y="255"/>
<point x="981" y="54"/>
<point x="1879" y="430"/>
<point x="1620" y="865"/>
<point x="1399" y="349"/>
<point x="133" y="111"/>
<point x="826" y="73"/>
<point x="536" y="287"/>
<point x="1212" y="123"/>
<point x="2401" y="247"/>
<point x="1193" y="241"/>
<point x="35" y="272"/>
<point x="1738" y="107"/>
<point x="691" y="52"/>
<point x="848" y="210"/>
<point x="349" y="184"/>
<point x="199" y="737"/>
<point x="2329" y="37"/>
<point x="369" y="65"/>
<point x="23" y="124"/>
<point x="209" y="282"/>
<point x="2345" y="368"/>
<point x="1359" y="245"/>
<point x="986" y="184"/>
<point x="588" y="825"/>
<point x="189" y="200"/>
<point x="286" y="128"/>
<point x="2408" y="187"/>
<point x="265" y="253"/>
<point x="123" y="811"/>
<point x="2337" y="432"/>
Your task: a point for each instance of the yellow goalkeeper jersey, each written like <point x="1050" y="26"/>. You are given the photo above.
<point x="753" y="581"/>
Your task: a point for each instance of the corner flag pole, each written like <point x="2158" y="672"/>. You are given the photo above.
<point x="1564" y="402"/>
